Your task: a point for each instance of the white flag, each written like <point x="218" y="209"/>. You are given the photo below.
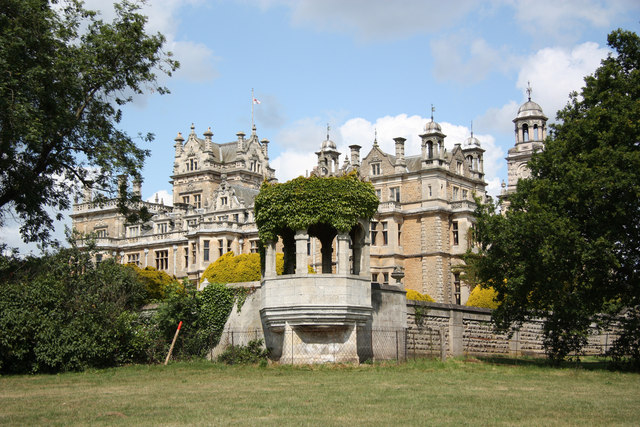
<point x="255" y="101"/>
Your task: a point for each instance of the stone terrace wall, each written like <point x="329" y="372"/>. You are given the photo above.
<point x="434" y="329"/>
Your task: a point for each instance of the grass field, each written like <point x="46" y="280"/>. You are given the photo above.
<point x="423" y="392"/>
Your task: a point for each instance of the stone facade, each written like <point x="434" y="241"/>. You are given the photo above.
<point x="426" y="208"/>
<point x="423" y="222"/>
<point x="213" y="190"/>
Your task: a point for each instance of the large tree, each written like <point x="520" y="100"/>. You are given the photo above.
<point x="64" y="75"/>
<point x="568" y="248"/>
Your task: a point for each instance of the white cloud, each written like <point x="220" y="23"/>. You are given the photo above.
<point x="304" y="135"/>
<point x="564" y="21"/>
<point x="291" y="164"/>
<point x="196" y="59"/>
<point x="465" y="58"/>
<point x="374" y="19"/>
<point x="555" y="72"/>
<point x="163" y="196"/>
<point x="498" y="119"/>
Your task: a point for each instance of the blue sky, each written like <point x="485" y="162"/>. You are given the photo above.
<point x="362" y="66"/>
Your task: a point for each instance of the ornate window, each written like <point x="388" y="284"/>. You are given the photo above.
<point x="454" y="228"/>
<point x="133" y="259"/>
<point x="373" y="232"/>
<point x="162" y="260"/>
<point x="385" y="233"/>
<point x="205" y="250"/>
<point x="394" y="194"/>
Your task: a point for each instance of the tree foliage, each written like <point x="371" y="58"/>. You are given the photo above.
<point x="64" y="75"/>
<point x="297" y="204"/>
<point x="568" y="248"/>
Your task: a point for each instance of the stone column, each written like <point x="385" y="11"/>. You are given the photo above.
<point x="327" y="251"/>
<point x="365" y="258"/>
<point x="175" y="258"/>
<point x="301" y="238"/>
<point x="270" y="260"/>
<point x="343" y="254"/>
<point x="146" y="255"/>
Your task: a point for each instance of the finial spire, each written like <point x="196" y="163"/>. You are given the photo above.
<point x="193" y="128"/>
<point x="471" y="128"/>
<point x="529" y="90"/>
<point x="375" y="136"/>
<point x="328" y="129"/>
<point x="433" y="109"/>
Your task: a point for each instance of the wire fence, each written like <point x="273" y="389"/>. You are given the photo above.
<point x="325" y="345"/>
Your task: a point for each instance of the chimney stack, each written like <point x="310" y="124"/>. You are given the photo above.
<point x="355" y="155"/>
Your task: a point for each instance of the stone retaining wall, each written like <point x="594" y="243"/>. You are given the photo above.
<point x="446" y="329"/>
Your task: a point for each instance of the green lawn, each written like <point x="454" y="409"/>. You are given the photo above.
<point x="420" y="392"/>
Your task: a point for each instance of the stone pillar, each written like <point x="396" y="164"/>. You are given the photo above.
<point x="301" y="238"/>
<point x="265" y="148"/>
<point x="327" y="251"/>
<point x="175" y="258"/>
<point x="270" y="259"/>
<point x="456" y="331"/>
<point x="146" y="256"/>
<point x="343" y="254"/>
<point x="365" y="258"/>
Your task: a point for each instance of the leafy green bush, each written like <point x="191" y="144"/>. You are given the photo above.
<point x="230" y="268"/>
<point x="203" y="314"/>
<point x="253" y="352"/>
<point x="483" y="297"/>
<point x="417" y="296"/>
<point x="61" y="313"/>
<point x="297" y="204"/>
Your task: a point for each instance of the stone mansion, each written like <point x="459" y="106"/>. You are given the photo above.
<point x="423" y="221"/>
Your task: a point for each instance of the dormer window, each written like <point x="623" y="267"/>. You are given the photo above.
<point x="162" y="227"/>
<point x="133" y="231"/>
<point x="224" y="201"/>
<point x="192" y="165"/>
<point x="375" y="169"/>
<point x="459" y="167"/>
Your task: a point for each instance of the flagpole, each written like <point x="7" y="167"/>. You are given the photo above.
<point x="252" y="98"/>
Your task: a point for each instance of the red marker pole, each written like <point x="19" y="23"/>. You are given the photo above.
<point x="175" y="337"/>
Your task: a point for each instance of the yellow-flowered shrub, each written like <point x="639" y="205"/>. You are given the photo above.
<point x="230" y="268"/>
<point x="159" y="285"/>
<point x="417" y="296"/>
<point x="483" y="297"/>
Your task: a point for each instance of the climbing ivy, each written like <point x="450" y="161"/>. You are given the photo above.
<point x="297" y="204"/>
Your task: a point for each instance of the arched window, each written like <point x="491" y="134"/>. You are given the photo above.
<point x="430" y="150"/>
<point x="525" y="133"/>
<point x="536" y="136"/>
